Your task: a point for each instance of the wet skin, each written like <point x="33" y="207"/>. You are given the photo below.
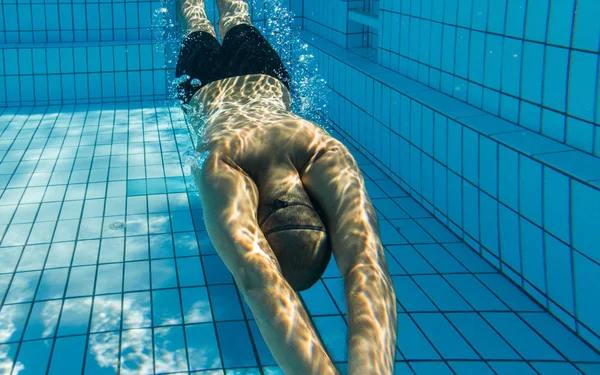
<point x="257" y="151"/>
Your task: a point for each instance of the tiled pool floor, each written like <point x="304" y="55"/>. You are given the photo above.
<point x="105" y="266"/>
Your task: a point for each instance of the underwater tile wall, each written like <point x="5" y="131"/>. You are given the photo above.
<point x="91" y="72"/>
<point x="526" y="203"/>
<point x="534" y="63"/>
<point x="322" y="18"/>
<point x="75" y="21"/>
<point x="517" y="192"/>
<point x="90" y="52"/>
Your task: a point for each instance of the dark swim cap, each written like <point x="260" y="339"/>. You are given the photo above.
<point x="280" y="204"/>
<point x="298" y="237"/>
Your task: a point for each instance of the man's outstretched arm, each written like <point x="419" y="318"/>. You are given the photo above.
<point x="335" y="181"/>
<point x="229" y="201"/>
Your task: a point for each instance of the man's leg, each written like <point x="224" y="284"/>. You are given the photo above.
<point x="233" y="13"/>
<point x="194" y="17"/>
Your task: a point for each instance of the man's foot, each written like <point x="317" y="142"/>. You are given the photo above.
<point x="191" y="15"/>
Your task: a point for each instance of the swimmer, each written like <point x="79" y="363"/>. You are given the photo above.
<point x="280" y="195"/>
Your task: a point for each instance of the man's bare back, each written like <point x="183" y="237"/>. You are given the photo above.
<point x="258" y="150"/>
<point x="248" y="120"/>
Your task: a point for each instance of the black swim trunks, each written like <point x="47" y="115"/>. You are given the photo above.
<point x="244" y="51"/>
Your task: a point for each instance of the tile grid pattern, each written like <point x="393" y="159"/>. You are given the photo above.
<point x="488" y="53"/>
<point x="504" y="204"/>
<point x="153" y="297"/>
<point x="165" y="337"/>
<point x="322" y="18"/>
<point x="92" y="62"/>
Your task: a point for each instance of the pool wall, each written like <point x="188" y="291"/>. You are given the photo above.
<point x="456" y="120"/>
<point x="55" y="53"/>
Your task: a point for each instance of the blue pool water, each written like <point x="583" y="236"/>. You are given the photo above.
<point x="476" y="124"/>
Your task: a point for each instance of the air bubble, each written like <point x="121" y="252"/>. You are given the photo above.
<point x="195" y="82"/>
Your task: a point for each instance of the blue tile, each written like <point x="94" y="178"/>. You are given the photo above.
<point x="559" y="272"/>
<point x="471" y="368"/>
<point x="412" y="207"/>
<point x="402" y="368"/>
<point x="482" y="337"/>
<point x="508" y="185"/>
<point x="67" y="356"/>
<point x="166" y="308"/>
<point x="587" y="296"/>
<point x="161" y="246"/>
<point x="488" y="209"/>
<point x="410" y="259"/>
<point x="585" y="211"/>
<point x="75" y="316"/>
<point x="555" y="76"/>
<point x="427" y="368"/>
<point x="413" y="344"/>
<point x="81" y="281"/>
<point x="195" y="305"/>
<point x="333" y="331"/>
<point x="318" y="301"/>
<point x="215" y="270"/>
<point x="510" y="244"/>
<point x="444" y="337"/>
<point x="556" y="204"/>
<point x="109" y="279"/>
<point x="189" y="271"/>
<point x="509" y="368"/>
<point x="106" y="313"/>
<point x="589" y="369"/>
<point x="441" y="293"/>
<point x="455" y="198"/>
<point x="412" y="231"/>
<point x="564" y="340"/>
<point x="532" y="254"/>
<point x="455" y="139"/>
<point x="586" y="29"/>
<point x="136" y="311"/>
<point x="470" y="207"/>
<point x="225" y="303"/>
<point x="34" y="356"/>
<point x="530" y="189"/>
<point x="549" y="368"/>
<point x="440" y="137"/>
<point x="560" y="27"/>
<point x="527" y="343"/>
<point x="410" y="296"/>
<point x="100" y="365"/>
<point x="389" y="209"/>
<point x="202" y="339"/>
<point x="473" y="291"/>
<point x="136" y="248"/>
<point x="440" y="259"/>
<point x="136" y="350"/>
<point x="52" y="284"/>
<point x="438" y="231"/>
<point x="40" y="324"/>
<point x="580" y="134"/>
<point x="468" y="258"/>
<point x="575" y="163"/>
<point x="235" y="345"/>
<point x="512" y="296"/>
<point x="389" y="234"/>
<point x="169" y="346"/>
<point x="511" y="61"/>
